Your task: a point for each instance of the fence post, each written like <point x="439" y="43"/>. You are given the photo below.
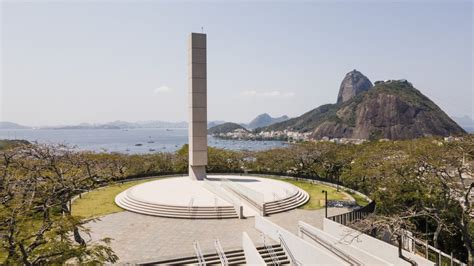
<point x="439" y="257"/>
<point x="452" y="261"/>
<point x="426" y="251"/>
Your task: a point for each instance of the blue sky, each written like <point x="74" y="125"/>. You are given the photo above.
<point x="70" y="62"/>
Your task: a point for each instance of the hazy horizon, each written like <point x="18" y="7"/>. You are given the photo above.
<point x="68" y="63"/>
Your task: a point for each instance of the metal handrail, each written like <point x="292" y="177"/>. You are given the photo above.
<point x="216" y="207"/>
<point x="255" y="198"/>
<point x="437" y="251"/>
<point x="199" y="255"/>
<point x="216" y="190"/>
<point x="338" y="252"/>
<point x="288" y="251"/>
<point x="220" y="252"/>
<point x="270" y="251"/>
<point x="190" y="204"/>
<point x="348" y="217"/>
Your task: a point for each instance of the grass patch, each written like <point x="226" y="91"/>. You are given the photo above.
<point x="316" y="194"/>
<point x="101" y="201"/>
<point x="361" y="201"/>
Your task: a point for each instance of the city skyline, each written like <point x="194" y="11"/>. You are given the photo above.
<point x="101" y="61"/>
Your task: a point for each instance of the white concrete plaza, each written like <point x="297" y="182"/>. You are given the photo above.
<point x="179" y="193"/>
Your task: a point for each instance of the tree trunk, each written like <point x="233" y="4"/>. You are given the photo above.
<point x="467" y="239"/>
<point x="77" y="235"/>
<point x="24" y="255"/>
<point x="78" y="238"/>
<point x="436" y="236"/>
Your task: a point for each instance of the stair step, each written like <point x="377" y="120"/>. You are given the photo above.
<point x="131" y="199"/>
<point x="176" y="208"/>
<point x="187" y="216"/>
<point x="177" y="211"/>
<point x="289" y="205"/>
<point x="286" y="202"/>
<point x="295" y="195"/>
<point x="196" y="210"/>
<point x="177" y="214"/>
<point x="234" y="257"/>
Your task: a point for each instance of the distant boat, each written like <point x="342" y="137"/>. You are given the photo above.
<point x="151" y="141"/>
<point x="151" y="150"/>
<point x="138" y="144"/>
<point x="169" y="129"/>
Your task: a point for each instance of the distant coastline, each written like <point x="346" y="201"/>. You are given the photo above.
<point x="129" y="141"/>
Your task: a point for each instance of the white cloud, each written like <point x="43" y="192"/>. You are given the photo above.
<point x="254" y="93"/>
<point x="162" y="89"/>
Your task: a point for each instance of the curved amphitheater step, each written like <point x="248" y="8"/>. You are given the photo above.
<point x="235" y="257"/>
<point x="297" y="199"/>
<point x="130" y="203"/>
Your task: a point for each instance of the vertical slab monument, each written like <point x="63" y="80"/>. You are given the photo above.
<point x="197" y="68"/>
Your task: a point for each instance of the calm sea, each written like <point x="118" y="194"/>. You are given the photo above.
<point x="129" y="140"/>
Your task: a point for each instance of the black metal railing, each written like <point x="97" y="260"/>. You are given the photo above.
<point x="358" y="214"/>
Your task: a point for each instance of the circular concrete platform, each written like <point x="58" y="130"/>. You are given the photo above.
<point x="216" y="197"/>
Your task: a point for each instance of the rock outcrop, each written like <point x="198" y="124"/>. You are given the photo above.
<point x="353" y="83"/>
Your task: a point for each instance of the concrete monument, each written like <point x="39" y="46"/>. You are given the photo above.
<point x="185" y="197"/>
<point x="197" y="80"/>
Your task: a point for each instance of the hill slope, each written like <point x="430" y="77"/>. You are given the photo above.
<point x="225" y="128"/>
<point x="264" y="120"/>
<point x="10" y="125"/>
<point x="393" y="110"/>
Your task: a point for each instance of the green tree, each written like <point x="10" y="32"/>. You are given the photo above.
<point x="37" y="185"/>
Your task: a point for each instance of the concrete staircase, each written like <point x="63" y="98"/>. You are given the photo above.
<point x="129" y="202"/>
<point x="297" y="199"/>
<point x="234" y="257"/>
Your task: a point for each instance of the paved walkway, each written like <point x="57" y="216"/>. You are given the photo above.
<point x="141" y="238"/>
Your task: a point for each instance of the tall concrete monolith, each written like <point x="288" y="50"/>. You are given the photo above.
<point x="197" y="69"/>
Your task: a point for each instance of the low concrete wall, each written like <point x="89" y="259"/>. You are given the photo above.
<point x="252" y="257"/>
<point x="339" y="247"/>
<point x="372" y="245"/>
<point x="302" y="251"/>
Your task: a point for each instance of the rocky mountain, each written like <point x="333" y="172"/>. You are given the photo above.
<point x="264" y="120"/>
<point x="11" y="125"/>
<point x="225" y="128"/>
<point x="390" y="109"/>
<point x="353" y="84"/>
